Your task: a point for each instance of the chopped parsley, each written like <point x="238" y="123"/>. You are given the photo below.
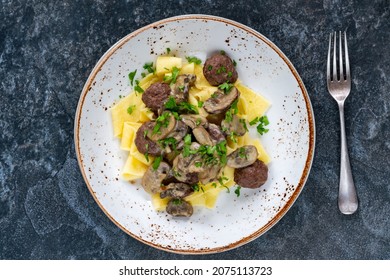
<point x="226" y="87"/>
<point x="131" y="77"/>
<point x="147" y="152"/>
<point x="237" y="191"/>
<point x="172" y="78"/>
<point x="181" y="88"/>
<point x="234" y="63"/>
<point x="182" y="106"/>
<point x="262" y="122"/>
<point x="242" y="153"/>
<point x="221" y="69"/>
<point x="230" y="74"/>
<point x="168" y="50"/>
<point x="149" y="67"/>
<point x="157" y="162"/>
<point x="130" y="109"/>
<point x="162" y="120"/>
<point x="233" y="110"/>
<point x="137" y="87"/>
<point x="210" y="67"/>
<point x="243" y="122"/>
<point x="193" y="59"/>
<point x="222" y="52"/>
<point x="170" y="141"/>
<point x="200" y="104"/>
<point x="177" y="201"/>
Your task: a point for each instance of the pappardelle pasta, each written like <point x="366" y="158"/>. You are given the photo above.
<point x="185" y="127"/>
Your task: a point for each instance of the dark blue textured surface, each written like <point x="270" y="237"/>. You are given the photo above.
<point x="48" y="48"/>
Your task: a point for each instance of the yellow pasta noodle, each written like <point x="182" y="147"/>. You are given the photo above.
<point x="133" y="169"/>
<point x="256" y="105"/>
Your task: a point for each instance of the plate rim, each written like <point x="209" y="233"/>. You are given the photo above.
<point x="311" y="122"/>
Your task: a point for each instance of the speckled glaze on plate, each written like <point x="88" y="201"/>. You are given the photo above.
<point x="234" y="221"/>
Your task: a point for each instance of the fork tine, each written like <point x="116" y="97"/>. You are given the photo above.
<point x="334" y="58"/>
<point x="347" y="71"/>
<point x="341" y="70"/>
<point x="328" y="62"/>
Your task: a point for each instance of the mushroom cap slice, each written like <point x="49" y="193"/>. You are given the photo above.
<point x="242" y="157"/>
<point x="181" y="88"/>
<point x="151" y="181"/>
<point x="176" y="190"/>
<point x="216" y="133"/>
<point x="220" y="101"/>
<point x="235" y="126"/>
<point x="193" y="121"/>
<point x="166" y="125"/>
<point x="210" y="174"/>
<point x="179" y="208"/>
<point x="202" y="136"/>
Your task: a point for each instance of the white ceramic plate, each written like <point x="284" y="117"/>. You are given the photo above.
<point x="234" y="221"/>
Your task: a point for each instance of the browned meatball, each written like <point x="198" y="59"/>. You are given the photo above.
<point x="252" y="176"/>
<point x="144" y="144"/>
<point x="156" y="95"/>
<point x="219" y="69"/>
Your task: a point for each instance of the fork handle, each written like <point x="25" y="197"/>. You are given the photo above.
<point x="347" y="200"/>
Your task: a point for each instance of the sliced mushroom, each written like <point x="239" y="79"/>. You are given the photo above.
<point x="210" y="174"/>
<point x="177" y="190"/>
<point x="220" y="101"/>
<point x="202" y="136"/>
<point x="216" y="133"/>
<point x="180" y="130"/>
<point x="236" y="126"/>
<point x="179" y="208"/>
<point x="194" y="120"/>
<point x="166" y="126"/>
<point x="186" y="169"/>
<point x="181" y="88"/>
<point x="151" y="181"/>
<point x="216" y="118"/>
<point x="242" y="157"/>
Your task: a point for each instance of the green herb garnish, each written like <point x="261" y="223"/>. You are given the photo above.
<point x="200" y="104"/>
<point x="137" y="87"/>
<point x="149" y="67"/>
<point x="147" y="152"/>
<point x="168" y="50"/>
<point x="177" y="201"/>
<point x="210" y="67"/>
<point x="237" y="191"/>
<point x="131" y="76"/>
<point x="162" y="120"/>
<point x="226" y="87"/>
<point x="233" y="110"/>
<point x="157" y="162"/>
<point x="193" y="59"/>
<point x="242" y="153"/>
<point x="170" y="141"/>
<point x="222" y="52"/>
<point x="172" y="78"/>
<point x="221" y="69"/>
<point x="262" y="122"/>
<point x="130" y="109"/>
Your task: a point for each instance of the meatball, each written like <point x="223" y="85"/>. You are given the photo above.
<point x="143" y="143"/>
<point x="219" y="69"/>
<point x="156" y="95"/>
<point x="252" y="176"/>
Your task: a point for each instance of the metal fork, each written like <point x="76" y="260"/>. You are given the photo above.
<point x="339" y="86"/>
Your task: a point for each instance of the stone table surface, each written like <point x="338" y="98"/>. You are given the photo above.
<point x="47" y="50"/>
